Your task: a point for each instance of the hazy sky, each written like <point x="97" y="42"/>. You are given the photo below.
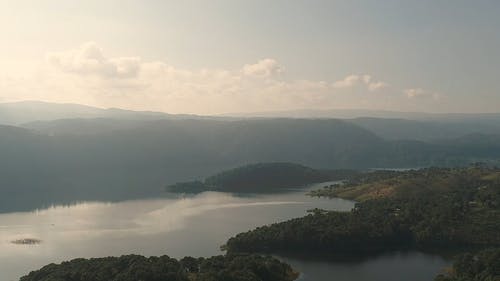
<point x="212" y="57"/>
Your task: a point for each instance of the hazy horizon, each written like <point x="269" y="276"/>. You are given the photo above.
<point x="312" y="111"/>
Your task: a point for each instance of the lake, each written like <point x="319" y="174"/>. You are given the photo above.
<point x="178" y="226"/>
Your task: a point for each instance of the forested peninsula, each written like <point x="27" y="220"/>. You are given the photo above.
<point x="164" y="268"/>
<point x="428" y="208"/>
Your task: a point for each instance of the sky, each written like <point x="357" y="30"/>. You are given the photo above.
<point x="228" y="56"/>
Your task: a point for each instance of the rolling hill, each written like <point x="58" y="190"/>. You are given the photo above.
<point x="113" y="159"/>
<point x="16" y="113"/>
<point x="261" y="177"/>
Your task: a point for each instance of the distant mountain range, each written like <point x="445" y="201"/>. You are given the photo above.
<point x="396" y="125"/>
<point x="113" y="154"/>
<point x="405" y="129"/>
<point x="29" y="111"/>
<point x="53" y="118"/>
<point x="357" y="113"/>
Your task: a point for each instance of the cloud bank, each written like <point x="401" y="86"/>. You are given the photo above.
<point x="88" y="75"/>
<point x="89" y="59"/>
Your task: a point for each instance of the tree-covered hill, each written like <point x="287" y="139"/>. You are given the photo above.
<point x="431" y="130"/>
<point x="138" y="161"/>
<point x="428" y="208"/>
<point x="164" y="268"/>
<point x="262" y="177"/>
<point x="481" y="266"/>
<point x="113" y="160"/>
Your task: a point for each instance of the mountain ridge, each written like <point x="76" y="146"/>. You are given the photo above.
<point x="16" y="113"/>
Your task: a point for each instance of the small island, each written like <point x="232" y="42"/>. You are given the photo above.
<point x="26" y="241"/>
<point x="261" y="177"/>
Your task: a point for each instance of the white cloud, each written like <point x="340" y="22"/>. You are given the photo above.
<point x="375" y="86"/>
<point x="417" y="93"/>
<point x="86" y="75"/>
<point x="360" y="80"/>
<point x="366" y="78"/>
<point x="347" y="82"/>
<point x="90" y="60"/>
<point x="266" y="67"/>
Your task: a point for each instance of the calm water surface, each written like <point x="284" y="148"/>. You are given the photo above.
<point x="182" y="226"/>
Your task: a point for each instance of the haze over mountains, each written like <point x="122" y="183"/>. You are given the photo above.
<point x="400" y="125"/>
<point x="81" y="153"/>
<point x="356" y="113"/>
<point x="28" y="111"/>
<point x="54" y="118"/>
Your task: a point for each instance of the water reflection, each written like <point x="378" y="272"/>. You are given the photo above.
<point x="397" y="266"/>
<point x="178" y="226"/>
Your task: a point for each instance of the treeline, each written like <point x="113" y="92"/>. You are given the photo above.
<point x="164" y="268"/>
<point x="434" y="208"/>
<point x="482" y="266"/>
<point x="262" y="177"/>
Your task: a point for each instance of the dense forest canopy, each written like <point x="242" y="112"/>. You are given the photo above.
<point x="435" y="207"/>
<point x="262" y="177"/>
<point x="164" y="268"/>
<point x="481" y="266"/>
